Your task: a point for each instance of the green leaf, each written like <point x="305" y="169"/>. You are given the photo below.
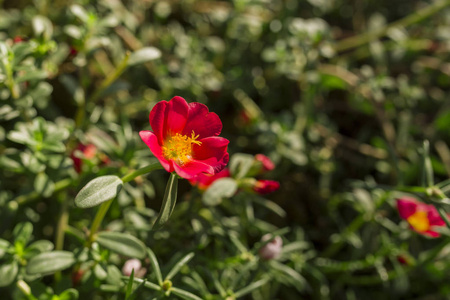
<point x="22" y="233"/>
<point x="219" y="189"/>
<point x="50" y="262"/>
<point x="4" y="245"/>
<point x="176" y="268"/>
<point x="155" y="265"/>
<point x="32" y="75"/>
<point x="184" y="294"/>
<point x="43" y="185"/>
<point x="129" y="286"/>
<point x="143" y="55"/>
<point x="240" y="164"/>
<point x="296" y="279"/>
<point x="122" y="243"/>
<point x="99" y="272"/>
<point x="69" y="294"/>
<point x="427" y="169"/>
<point x="98" y="190"/>
<point x="251" y="287"/>
<point x="169" y="201"/>
<point x="8" y="273"/>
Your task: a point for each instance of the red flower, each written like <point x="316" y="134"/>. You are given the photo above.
<point x="267" y="163"/>
<point x="420" y="216"/>
<point x="18" y="39"/>
<point x="185" y="138"/>
<point x="203" y="181"/>
<point x="89" y="152"/>
<point x="266" y="186"/>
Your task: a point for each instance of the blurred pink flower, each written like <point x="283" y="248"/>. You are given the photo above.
<point x="271" y="250"/>
<point x="420" y="216"/>
<point x="136" y="265"/>
<point x="267" y="163"/>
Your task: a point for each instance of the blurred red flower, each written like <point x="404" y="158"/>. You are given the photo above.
<point x="420" y="216"/>
<point x="266" y="186"/>
<point x="203" y="181"/>
<point x="89" y="152"/>
<point x="185" y="138"/>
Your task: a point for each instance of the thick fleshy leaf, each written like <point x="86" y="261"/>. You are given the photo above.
<point x="184" y="294"/>
<point x="219" y="189"/>
<point x="22" y="232"/>
<point x="122" y="243"/>
<point x="50" y="262"/>
<point x="8" y="273"/>
<point x="155" y="265"/>
<point x="240" y="164"/>
<point x="98" y="190"/>
<point x="176" y="268"/>
<point x="143" y="55"/>
<point x="169" y="201"/>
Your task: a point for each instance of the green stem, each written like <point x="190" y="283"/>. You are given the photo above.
<point x="153" y="166"/>
<point x="62" y="224"/>
<point x="103" y="209"/>
<point x="59" y="186"/>
<point x="110" y="79"/>
<point x="364" y="38"/>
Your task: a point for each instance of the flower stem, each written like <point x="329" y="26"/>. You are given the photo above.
<point x="103" y="209"/>
<point x="153" y="166"/>
<point x="98" y="220"/>
<point x="366" y="37"/>
<point x="110" y="79"/>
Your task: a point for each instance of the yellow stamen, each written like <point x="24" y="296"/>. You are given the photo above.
<point x="419" y="221"/>
<point x="179" y="147"/>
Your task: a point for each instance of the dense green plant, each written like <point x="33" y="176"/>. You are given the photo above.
<point x="348" y="99"/>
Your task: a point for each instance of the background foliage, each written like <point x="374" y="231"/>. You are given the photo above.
<point x="341" y="95"/>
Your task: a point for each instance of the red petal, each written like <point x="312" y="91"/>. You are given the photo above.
<point x="151" y="140"/>
<point x="192" y="169"/>
<point x="406" y="207"/>
<point x="202" y="122"/>
<point x="431" y="233"/>
<point x="157" y="118"/>
<point x="169" y="117"/>
<point x="212" y="151"/>
<point x="176" y="116"/>
<point x="434" y="217"/>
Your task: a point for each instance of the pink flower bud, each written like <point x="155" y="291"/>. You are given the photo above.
<point x="267" y="163"/>
<point x="266" y="186"/>
<point x="136" y="265"/>
<point x="272" y="250"/>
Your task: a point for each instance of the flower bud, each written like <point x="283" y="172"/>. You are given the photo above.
<point x="136" y="265"/>
<point x="267" y="163"/>
<point x="271" y="250"/>
<point x="266" y="186"/>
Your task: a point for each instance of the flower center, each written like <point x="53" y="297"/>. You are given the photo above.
<point x="419" y="221"/>
<point x="179" y="147"/>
